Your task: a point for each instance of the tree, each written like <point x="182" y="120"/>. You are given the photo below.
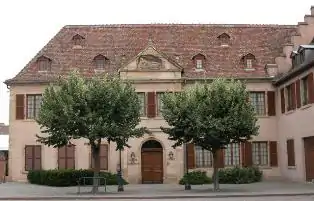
<point x="210" y="115"/>
<point x="95" y="109"/>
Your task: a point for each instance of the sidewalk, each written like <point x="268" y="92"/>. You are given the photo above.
<point x="20" y="191"/>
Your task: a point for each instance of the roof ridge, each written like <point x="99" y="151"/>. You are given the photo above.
<point x="182" y="25"/>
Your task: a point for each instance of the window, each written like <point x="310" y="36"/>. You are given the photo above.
<point x="199" y="64"/>
<point x="260" y="153"/>
<point x="66" y="157"/>
<point x="304" y="91"/>
<point x="258" y="101"/>
<point x="289" y="97"/>
<point x="142" y="99"/>
<point x="77" y="39"/>
<point x="100" y="63"/>
<point x="290" y="152"/>
<point x="103" y="157"/>
<point x="203" y="157"/>
<point x="248" y="61"/>
<point x="224" y="39"/>
<point x="43" y="63"/>
<point x="32" y="157"/>
<point x="33" y="105"/>
<point x="159" y="103"/>
<point x="232" y="155"/>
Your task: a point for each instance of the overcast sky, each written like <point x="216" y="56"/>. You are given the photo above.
<point x="27" y="25"/>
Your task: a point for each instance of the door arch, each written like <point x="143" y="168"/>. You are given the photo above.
<point x="152" y="162"/>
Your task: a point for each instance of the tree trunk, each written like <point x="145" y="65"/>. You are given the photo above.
<point x="95" y="155"/>
<point x="215" y="173"/>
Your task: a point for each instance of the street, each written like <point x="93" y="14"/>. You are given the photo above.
<point x="288" y="198"/>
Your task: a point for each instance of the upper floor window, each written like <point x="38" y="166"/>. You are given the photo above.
<point x="224" y="39"/>
<point x="289" y="98"/>
<point x="304" y="91"/>
<point x="257" y="99"/>
<point x="33" y="102"/>
<point x="248" y="61"/>
<point x="142" y="99"/>
<point x="260" y="153"/>
<point x="199" y="60"/>
<point x="232" y="154"/>
<point x="203" y="157"/>
<point x="100" y="62"/>
<point x="44" y="63"/>
<point x="159" y="103"/>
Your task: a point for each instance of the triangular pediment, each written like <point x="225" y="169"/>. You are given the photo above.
<point x="150" y="59"/>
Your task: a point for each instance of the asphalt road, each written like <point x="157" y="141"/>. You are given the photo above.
<point x="288" y="198"/>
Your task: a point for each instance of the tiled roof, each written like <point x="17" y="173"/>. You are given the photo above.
<point x="265" y="42"/>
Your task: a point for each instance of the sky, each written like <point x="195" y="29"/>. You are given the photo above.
<point x="27" y="25"/>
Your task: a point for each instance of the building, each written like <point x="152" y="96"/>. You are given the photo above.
<point x="275" y="60"/>
<point x="4" y="151"/>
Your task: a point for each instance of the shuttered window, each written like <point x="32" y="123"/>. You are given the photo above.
<point x="66" y="157"/>
<point x="142" y="99"/>
<point x="273" y="154"/>
<point x="191" y="155"/>
<point x="32" y="157"/>
<point x="271" y="103"/>
<point x="260" y="153"/>
<point x="290" y="97"/>
<point x="290" y="152"/>
<point x="257" y="99"/>
<point x="19" y="106"/>
<point x="151" y="104"/>
<point x="232" y="155"/>
<point x="282" y="100"/>
<point x="33" y="102"/>
<point x="304" y="91"/>
<point x="159" y="103"/>
<point x="203" y="157"/>
<point x="103" y="157"/>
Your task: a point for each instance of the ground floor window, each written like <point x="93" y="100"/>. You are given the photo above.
<point x="203" y="157"/>
<point x="232" y="155"/>
<point x="260" y="153"/>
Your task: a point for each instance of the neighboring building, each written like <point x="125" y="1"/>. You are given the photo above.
<point x="160" y="57"/>
<point x="4" y="150"/>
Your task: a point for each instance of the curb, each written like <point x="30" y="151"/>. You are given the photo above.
<point x="153" y="197"/>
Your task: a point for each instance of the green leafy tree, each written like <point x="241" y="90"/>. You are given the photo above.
<point x="210" y="115"/>
<point x="97" y="109"/>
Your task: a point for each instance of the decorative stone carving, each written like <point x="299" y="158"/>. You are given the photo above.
<point x="133" y="159"/>
<point x="149" y="61"/>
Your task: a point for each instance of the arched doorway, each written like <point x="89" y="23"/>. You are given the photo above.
<point x="152" y="162"/>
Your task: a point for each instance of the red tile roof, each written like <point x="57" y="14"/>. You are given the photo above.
<point x="265" y="42"/>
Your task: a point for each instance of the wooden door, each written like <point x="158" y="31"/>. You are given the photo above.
<point x="309" y="156"/>
<point x="152" y="166"/>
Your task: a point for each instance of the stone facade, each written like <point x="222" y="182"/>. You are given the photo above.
<point x="160" y="58"/>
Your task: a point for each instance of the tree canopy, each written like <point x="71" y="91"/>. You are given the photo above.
<point x="96" y="109"/>
<point x="210" y="115"/>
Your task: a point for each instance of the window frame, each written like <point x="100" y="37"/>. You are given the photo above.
<point x="290" y="158"/>
<point x="34" y="111"/>
<point x="288" y="97"/>
<point x="226" y="161"/>
<point x="144" y="106"/>
<point x="203" y="156"/>
<point x="259" y="153"/>
<point x="66" y="157"/>
<point x="33" y="157"/>
<point x="199" y="63"/>
<point x="304" y="91"/>
<point x="159" y="103"/>
<point x="257" y="104"/>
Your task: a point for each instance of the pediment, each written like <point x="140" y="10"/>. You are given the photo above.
<point x="150" y="59"/>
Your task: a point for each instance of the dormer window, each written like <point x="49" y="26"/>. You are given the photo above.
<point x="199" y="64"/>
<point x="199" y="61"/>
<point x="100" y="62"/>
<point x="78" y="40"/>
<point x="43" y="64"/>
<point x="224" y="39"/>
<point x="248" y="61"/>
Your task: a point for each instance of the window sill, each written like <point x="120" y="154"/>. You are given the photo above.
<point x="154" y="118"/>
<point x="304" y="107"/>
<point x="249" y="69"/>
<point x="292" y="167"/>
<point x="199" y="70"/>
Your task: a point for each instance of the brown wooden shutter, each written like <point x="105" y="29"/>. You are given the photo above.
<point x="19" y="106"/>
<point x="151" y="104"/>
<point x="29" y="157"/>
<point x="293" y="97"/>
<point x="290" y="152"/>
<point x="70" y="157"/>
<point x="220" y="158"/>
<point x="62" y="157"/>
<point x="37" y="157"/>
<point x="273" y="153"/>
<point x="297" y="93"/>
<point x="191" y="156"/>
<point x="310" y="83"/>
<point x="271" y="103"/>
<point x="246" y="154"/>
<point x="282" y="100"/>
<point x="103" y="157"/>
